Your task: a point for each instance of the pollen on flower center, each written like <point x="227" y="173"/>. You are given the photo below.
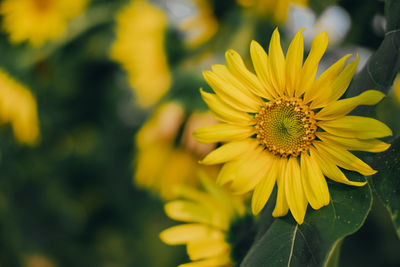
<point x="285" y="126"/>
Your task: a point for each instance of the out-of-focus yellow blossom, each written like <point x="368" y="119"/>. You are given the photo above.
<point x="396" y="87"/>
<point x="201" y="27"/>
<point x="277" y="9"/>
<point x="18" y="107"/>
<point x="139" y="48"/>
<point x="38" y="260"/>
<point x="161" y="164"/>
<point x="209" y="215"/>
<point x="38" y="21"/>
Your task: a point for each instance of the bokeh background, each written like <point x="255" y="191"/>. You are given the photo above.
<point x="71" y="199"/>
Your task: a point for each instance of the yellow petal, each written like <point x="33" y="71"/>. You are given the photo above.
<point x="225" y="112"/>
<point x="251" y="171"/>
<point x="277" y="63"/>
<point x="314" y="182"/>
<point x="263" y="190"/>
<point x="356" y="127"/>
<point x="318" y="47"/>
<point x="338" y="87"/>
<point x="238" y="68"/>
<point x="206" y="248"/>
<point x="294" y="191"/>
<point x="294" y="62"/>
<point x="281" y="206"/>
<point x="343" y="158"/>
<point x="228" y="171"/>
<point x="188" y="211"/>
<point x="222" y="132"/>
<point x="184" y="233"/>
<point x="260" y="62"/>
<point x="330" y="169"/>
<point x="325" y="80"/>
<point x="230" y="94"/>
<point x="370" y="145"/>
<point x="224" y="73"/>
<point x="229" y="151"/>
<point x="342" y="107"/>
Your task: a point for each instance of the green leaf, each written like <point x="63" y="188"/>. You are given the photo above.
<point x="285" y="243"/>
<point x="386" y="183"/>
<point x="383" y="66"/>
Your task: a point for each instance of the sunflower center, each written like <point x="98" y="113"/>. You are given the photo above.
<point x="43" y="5"/>
<point x="285" y="126"/>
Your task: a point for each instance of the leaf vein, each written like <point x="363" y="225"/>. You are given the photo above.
<point x="291" y="249"/>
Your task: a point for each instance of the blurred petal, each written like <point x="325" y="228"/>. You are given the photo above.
<point x="184" y="233"/>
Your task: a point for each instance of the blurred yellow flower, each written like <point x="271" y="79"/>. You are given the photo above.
<point x="282" y="126"/>
<point x="38" y="21"/>
<point x="160" y="163"/>
<point x="277" y="9"/>
<point x="201" y="27"/>
<point x="38" y="260"/>
<point x="208" y="214"/>
<point x="18" y="107"/>
<point x="139" y="48"/>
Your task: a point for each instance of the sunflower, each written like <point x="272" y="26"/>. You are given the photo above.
<point x="166" y="157"/>
<point x="38" y="21"/>
<point x="139" y="48"/>
<point x="284" y="126"/>
<point x="209" y="215"/>
<point x="18" y="107"/>
<point x="277" y="9"/>
<point x="200" y="27"/>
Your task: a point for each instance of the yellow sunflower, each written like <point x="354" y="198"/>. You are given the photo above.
<point x="38" y="21"/>
<point x="277" y="9"/>
<point x="209" y="216"/>
<point x="202" y="26"/>
<point x="18" y="107"/>
<point x="139" y="48"/>
<point x="164" y="159"/>
<point x="282" y="125"/>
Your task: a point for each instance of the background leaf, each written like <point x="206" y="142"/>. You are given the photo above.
<point x="386" y="183"/>
<point x="286" y="243"/>
<point x="382" y="67"/>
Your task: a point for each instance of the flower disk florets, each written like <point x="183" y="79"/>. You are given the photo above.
<point x="285" y="126"/>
